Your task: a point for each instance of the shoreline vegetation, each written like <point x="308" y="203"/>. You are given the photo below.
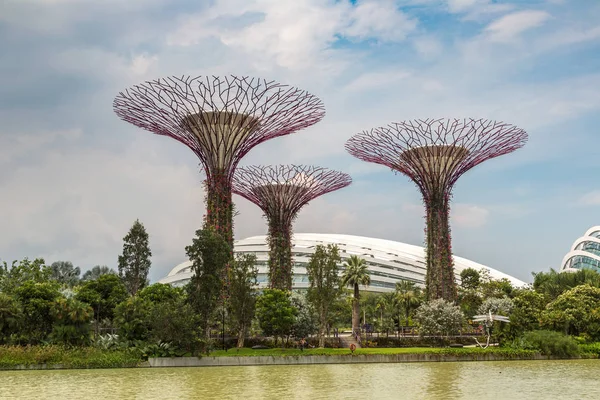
<point x="56" y="357"/>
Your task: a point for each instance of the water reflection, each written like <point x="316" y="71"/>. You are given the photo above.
<point x="471" y="380"/>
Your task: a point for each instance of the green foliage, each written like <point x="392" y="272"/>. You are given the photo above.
<point x="103" y="294"/>
<point x="133" y="318"/>
<point x="525" y="315"/>
<point x="209" y="253"/>
<point x="10" y="315"/>
<point x="21" y="272"/>
<point x="489" y="287"/>
<point x="175" y="322"/>
<point x="576" y="311"/>
<point x="242" y="300"/>
<point x="549" y="343"/>
<point x="82" y="357"/>
<point x="590" y="348"/>
<point x="439" y="317"/>
<point x="65" y="273"/>
<point x="71" y="322"/>
<point x="276" y="314"/>
<point x="96" y="272"/>
<point x="410" y="297"/>
<point x="134" y="263"/>
<point x="355" y="273"/>
<point x="306" y="322"/>
<point x="37" y="300"/>
<point x="552" y="284"/>
<point x="470" y="279"/>
<point x="160" y="293"/>
<point x="324" y="289"/>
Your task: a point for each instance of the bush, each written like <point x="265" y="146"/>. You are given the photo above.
<point x="590" y="348"/>
<point x="549" y="343"/>
<point x="83" y="357"/>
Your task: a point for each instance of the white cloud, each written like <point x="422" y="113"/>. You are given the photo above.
<point x="296" y="35"/>
<point x="512" y="25"/>
<point x="469" y="215"/>
<point x="590" y="199"/>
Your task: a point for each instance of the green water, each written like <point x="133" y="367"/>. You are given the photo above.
<point x="574" y="379"/>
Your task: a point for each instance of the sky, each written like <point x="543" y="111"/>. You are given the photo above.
<point x="74" y="177"/>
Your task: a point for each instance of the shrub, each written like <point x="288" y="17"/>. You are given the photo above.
<point x="590" y="348"/>
<point x="549" y="343"/>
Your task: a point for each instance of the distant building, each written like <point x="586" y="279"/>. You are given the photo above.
<point x="585" y="252"/>
<point x="388" y="261"/>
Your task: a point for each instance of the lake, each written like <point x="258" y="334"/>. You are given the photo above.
<point x="569" y="379"/>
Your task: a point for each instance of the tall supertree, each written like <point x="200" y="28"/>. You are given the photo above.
<point x="434" y="153"/>
<point x="280" y="192"/>
<point x="220" y="119"/>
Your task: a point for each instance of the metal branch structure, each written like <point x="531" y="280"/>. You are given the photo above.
<point x="220" y="119"/>
<point x="281" y="192"/>
<point x="434" y="153"/>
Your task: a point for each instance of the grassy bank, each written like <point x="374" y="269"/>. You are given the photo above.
<point x="12" y="357"/>
<point x="503" y="352"/>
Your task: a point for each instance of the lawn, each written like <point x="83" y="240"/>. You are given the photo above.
<point x="247" y="352"/>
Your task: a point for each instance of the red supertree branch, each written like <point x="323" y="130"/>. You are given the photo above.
<point x="280" y="192"/>
<point x="434" y="153"/>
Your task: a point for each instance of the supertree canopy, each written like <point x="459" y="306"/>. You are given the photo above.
<point x="220" y="119"/>
<point x="280" y="192"/>
<point x="434" y="153"/>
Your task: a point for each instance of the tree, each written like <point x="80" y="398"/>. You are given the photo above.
<point x="103" y="294"/>
<point x="439" y="317"/>
<point x="575" y="312"/>
<point x="355" y="274"/>
<point x="174" y="321"/>
<point x="388" y="306"/>
<point x="161" y="293"/>
<point x="209" y="253"/>
<point x="306" y="322"/>
<point x="242" y="300"/>
<point x="275" y="312"/>
<point x="64" y="272"/>
<point x="410" y="296"/>
<point x="37" y="300"/>
<point x="10" y="315"/>
<point x="133" y="318"/>
<point x="96" y="272"/>
<point x="71" y="322"/>
<point x="470" y="279"/>
<point x="134" y="263"/>
<point x="553" y="283"/>
<point x="324" y="289"/>
<point x="23" y="271"/>
<point x="498" y="306"/>
<point x="525" y="315"/>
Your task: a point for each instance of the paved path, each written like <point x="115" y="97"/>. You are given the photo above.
<point x="347" y="340"/>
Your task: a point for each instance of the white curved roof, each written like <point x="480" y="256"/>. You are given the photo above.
<point x="581" y="254"/>
<point x="388" y="261"/>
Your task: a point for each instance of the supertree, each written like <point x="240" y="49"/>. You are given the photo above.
<point x="220" y="119"/>
<point x="280" y="192"/>
<point x="434" y="153"/>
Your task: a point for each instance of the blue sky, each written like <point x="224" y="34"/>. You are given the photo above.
<point x="74" y="177"/>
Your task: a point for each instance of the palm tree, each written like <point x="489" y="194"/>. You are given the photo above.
<point x="96" y="272"/>
<point x="409" y="296"/>
<point x="355" y="273"/>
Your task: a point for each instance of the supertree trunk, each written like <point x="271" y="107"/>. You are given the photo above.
<point x="440" y="280"/>
<point x="280" y="253"/>
<point x="219" y="206"/>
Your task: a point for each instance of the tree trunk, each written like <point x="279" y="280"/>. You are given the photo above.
<point x="322" y="331"/>
<point x="355" y="311"/>
<point x="241" y="336"/>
